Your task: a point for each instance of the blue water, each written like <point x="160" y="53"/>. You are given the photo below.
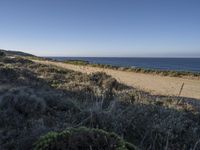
<point x="177" y="64"/>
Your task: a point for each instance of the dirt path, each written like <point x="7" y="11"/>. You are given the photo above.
<point x="154" y="84"/>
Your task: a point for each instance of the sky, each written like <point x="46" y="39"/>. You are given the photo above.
<point x="101" y="28"/>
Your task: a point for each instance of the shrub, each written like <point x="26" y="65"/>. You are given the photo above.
<point x="2" y="54"/>
<point x="8" y="74"/>
<point x="16" y="60"/>
<point x="30" y="106"/>
<point x="82" y="138"/>
<point x="98" y="78"/>
<point x="77" y="62"/>
<point x="26" y="105"/>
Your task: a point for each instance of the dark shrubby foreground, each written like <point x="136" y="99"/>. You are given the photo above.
<point x="37" y="99"/>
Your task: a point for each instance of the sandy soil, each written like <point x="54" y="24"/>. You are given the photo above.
<point x="155" y="84"/>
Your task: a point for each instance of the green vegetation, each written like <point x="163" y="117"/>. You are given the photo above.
<point x="77" y="62"/>
<point x="15" y="53"/>
<point x="38" y="100"/>
<point x="82" y="138"/>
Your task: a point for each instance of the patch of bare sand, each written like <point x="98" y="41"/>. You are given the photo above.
<point x="154" y="84"/>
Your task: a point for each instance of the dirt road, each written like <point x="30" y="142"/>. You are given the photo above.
<point x="155" y="84"/>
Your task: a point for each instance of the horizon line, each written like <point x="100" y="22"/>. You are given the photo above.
<point x="118" y="57"/>
<point x="15" y="50"/>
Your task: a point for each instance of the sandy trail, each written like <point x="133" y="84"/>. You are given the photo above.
<point x="154" y="84"/>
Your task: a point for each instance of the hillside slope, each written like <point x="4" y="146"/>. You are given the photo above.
<point x="15" y="53"/>
<point x="36" y="99"/>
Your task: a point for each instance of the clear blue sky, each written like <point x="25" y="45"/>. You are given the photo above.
<point x="101" y="27"/>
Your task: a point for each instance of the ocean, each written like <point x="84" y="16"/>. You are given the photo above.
<point x="176" y="64"/>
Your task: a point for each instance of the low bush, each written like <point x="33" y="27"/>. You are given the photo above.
<point x="82" y="138"/>
<point x="16" y="60"/>
<point x="8" y="74"/>
<point x="29" y="106"/>
<point x="2" y="54"/>
<point x="76" y="62"/>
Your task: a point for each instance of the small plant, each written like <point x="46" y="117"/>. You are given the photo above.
<point x="82" y="138"/>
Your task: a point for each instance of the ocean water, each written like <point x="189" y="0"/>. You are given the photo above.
<point x="177" y="64"/>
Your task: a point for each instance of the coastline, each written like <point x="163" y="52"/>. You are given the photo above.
<point x="171" y="73"/>
<point x="154" y="83"/>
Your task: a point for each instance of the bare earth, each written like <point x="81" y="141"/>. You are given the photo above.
<point x="154" y="84"/>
